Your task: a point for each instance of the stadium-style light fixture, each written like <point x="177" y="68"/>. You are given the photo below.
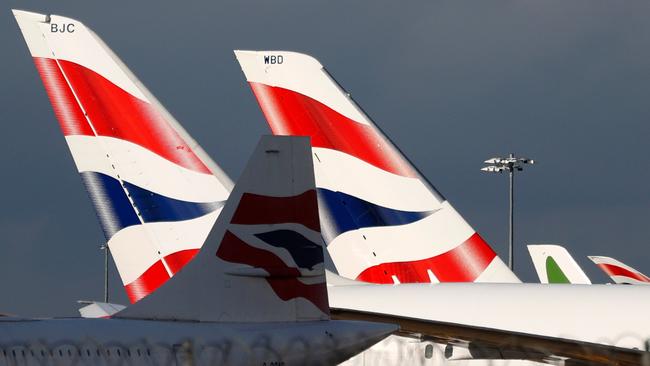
<point x="509" y="164"/>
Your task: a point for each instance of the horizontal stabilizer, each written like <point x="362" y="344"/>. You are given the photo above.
<point x="97" y="309"/>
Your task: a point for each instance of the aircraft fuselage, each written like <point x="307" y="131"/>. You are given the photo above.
<point x="144" y="342"/>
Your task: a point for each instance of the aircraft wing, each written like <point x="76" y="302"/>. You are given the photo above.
<point x="472" y="342"/>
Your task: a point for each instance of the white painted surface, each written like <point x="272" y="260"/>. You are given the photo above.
<point x="540" y="253"/>
<point x="590" y="313"/>
<point x="143" y="168"/>
<point x="300" y="73"/>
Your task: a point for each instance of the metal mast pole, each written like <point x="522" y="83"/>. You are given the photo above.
<point x="511" y="257"/>
<point x="509" y="164"/>
<point x="106" y="273"/>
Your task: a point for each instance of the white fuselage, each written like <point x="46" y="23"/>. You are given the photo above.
<point x="143" y="342"/>
<point x="603" y="314"/>
<point x="398" y="350"/>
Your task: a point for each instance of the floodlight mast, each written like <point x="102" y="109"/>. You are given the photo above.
<point x="511" y="219"/>
<point x="104" y="247"/>
<point x="509" y="164"/>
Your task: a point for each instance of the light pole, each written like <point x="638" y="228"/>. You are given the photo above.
<point x="510" y="165"/>
<point x="104" y="247"/>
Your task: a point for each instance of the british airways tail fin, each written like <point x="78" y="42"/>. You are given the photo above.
<point x="263" y="260"/>
<point x="381" y="220"/>
<point x="554" y="264"/>
<point x="156" y="192"/>
<point x="619" y="272"/>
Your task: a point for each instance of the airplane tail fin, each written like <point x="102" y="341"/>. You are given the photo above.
<point x="156" y="192"/>
<point x="619" y="272"/>
<point x="381" y="220"/>
<point x="263" y="260"/>
<point x="554" y="264"/>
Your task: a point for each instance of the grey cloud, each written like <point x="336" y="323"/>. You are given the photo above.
<point x="452" y="82"/>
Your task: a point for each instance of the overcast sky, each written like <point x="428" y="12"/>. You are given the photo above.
<point x="451" y="82"/>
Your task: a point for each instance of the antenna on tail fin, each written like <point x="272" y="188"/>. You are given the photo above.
<point x="263" y="260"/>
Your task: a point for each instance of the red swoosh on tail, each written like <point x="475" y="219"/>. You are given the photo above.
<point x="256" y="209"/>
<point x="292" y="113"/>
<point x="282" y="278"/>
<point x="613" y="270"/>
<point x="156" y="275"/>
<point x="112" y="111"/>
<point x="462" y="264"/>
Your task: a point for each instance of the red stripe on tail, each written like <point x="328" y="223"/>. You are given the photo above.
<point x="291" y="113"/>
<point x="178" y="260"/>
<point x="71" y="119"/>
<point x="154" y="277"/>
<point x="462" y="264"/>
<point x="282" y="278"/>
<point x="112" y="111"/>
<point x="255" y="209"/>
<point x="613" y="270"/>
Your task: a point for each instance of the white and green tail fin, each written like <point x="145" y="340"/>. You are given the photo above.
<point x="554" y="264"/>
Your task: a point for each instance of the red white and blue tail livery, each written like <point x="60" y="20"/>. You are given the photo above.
<point x="267" y="240"/>
<point x="156" y="192"/>
<point x="619" y="272"/>
<point x="381" y="220"/>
